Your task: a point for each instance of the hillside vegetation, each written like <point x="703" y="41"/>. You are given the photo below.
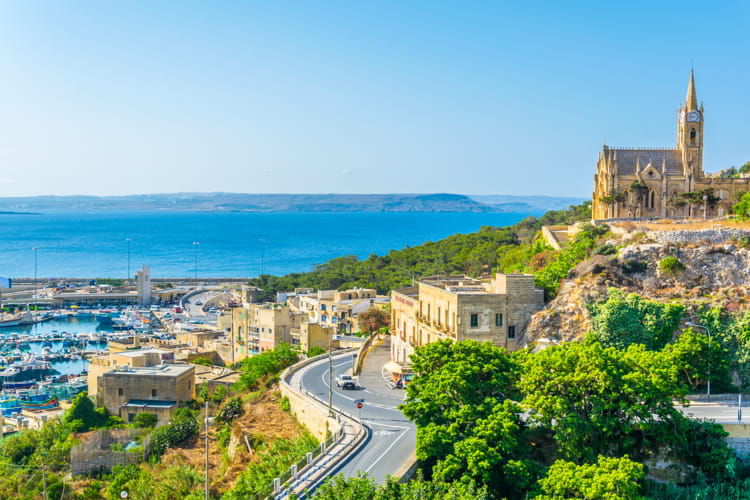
<point x="490" y="249"/>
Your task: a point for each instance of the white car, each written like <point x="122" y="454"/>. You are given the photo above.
<point x="345" y="382"/>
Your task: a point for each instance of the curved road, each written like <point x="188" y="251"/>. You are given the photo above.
<point x="393" y="437"/>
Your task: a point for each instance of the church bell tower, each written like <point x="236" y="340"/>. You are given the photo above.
<point x="690" y="132"/>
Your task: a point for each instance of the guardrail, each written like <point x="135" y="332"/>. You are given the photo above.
<point x="281" y="485"/>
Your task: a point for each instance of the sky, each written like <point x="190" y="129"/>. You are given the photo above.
<point x="111" y="98"/>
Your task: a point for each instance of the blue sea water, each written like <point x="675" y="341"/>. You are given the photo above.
<point x="240" y="244"/>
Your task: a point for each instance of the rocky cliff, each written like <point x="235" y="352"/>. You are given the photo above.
<point x="714" y="268"/>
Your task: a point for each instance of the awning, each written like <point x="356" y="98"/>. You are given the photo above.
<point x="394" y="367"/>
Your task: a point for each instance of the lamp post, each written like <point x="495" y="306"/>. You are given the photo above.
<point x="36" y="251"/>
<point x="705" y="206"/>
<point x="128" y="240"/>
<point x="196" y="244"/>
<point x="708" y="383"/>
<point x="330" y="376"/>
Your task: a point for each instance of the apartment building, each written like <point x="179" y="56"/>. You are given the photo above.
<point x="461" y="308"/>
<point x="133" y="359"/>
<point x="258" y="328"/>
<point x="338" y="309"/>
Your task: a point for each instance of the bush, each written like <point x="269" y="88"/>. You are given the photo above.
<point x="268" y="363"/>
<point x="184" y="425"/>
<point x="671" y="266"/>
<point x="145" y="419"/>
<point x="202" y="361"/>
<point x="231" y="410"/>
<point x="285" y="404"/>
<point x="315" y="351"/>
<point x="634" y="266"/>
<point x="742" y="208"/>
<point x="219" y="394"/>
<point x="630" y="319"/>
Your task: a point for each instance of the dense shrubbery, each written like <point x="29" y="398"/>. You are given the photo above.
<point x="174" y="483"/>
<point x="261" y="365"/>
<point x="625" y="319"/>
<point x="363" y="488"/>
<point x="231" y="410"/>
<point x="591" y="413"/>
<point x="671" y="266"/>
<point x="183" y="426"/>
<point x="270" y="462"/>
<point x="581" y="247"/>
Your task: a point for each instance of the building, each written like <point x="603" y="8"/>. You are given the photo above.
<point x="338" y="309"/>
<point x="461" y="308"/>
<point x="258" y="328"/>
<point x="133" y="359"/>
<point x="196" y="338"/>
<point x="645" y="182"/>
<point x="126" y="391"/>
<point x="314" y="335"/>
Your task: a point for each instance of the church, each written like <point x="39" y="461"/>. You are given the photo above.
<point x="664" y="182"/>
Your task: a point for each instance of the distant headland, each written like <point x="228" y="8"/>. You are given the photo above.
<point x="245" y="202"/>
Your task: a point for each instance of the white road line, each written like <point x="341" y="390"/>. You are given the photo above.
<point x="376" y="405"/>
<point x="385" y="452"/>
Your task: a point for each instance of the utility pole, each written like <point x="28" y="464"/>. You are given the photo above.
<point x="206" y="475"/>
<point x="330" y="376"/>
<point x="708" y="375"/>
<point x="128" y="276"/>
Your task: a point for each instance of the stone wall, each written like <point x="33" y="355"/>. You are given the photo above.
<point x="310" y="413"/>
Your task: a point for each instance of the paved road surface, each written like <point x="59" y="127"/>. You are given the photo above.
<point x="721" y="413"/>
<point x="393" y="438"/>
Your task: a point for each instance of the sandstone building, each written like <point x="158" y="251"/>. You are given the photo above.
<point x="461" y="308"/>
<point x="644" y="182"/>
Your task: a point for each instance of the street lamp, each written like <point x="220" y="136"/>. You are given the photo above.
<point x="196" y="244"/>
<point x="696" y="325"/>
<point x="36" y="251"/>
<point x="705" y="206"/>
<point x="128" y="240"/>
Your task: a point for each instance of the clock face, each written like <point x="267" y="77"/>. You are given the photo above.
<point x="694" y="116"/>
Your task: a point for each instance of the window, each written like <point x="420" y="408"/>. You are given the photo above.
<point x="439" y="315"/>
<point x="190" y="384"/>
<point x="131" y="416"/>
<point x="511" y="332"/>
<point x="334" y="319"/>
<point x="322" y="307"/>
<point x="119" y="391"/>
<point x="153" y="393"/>
<point x="499" y="319"/>
<point x="350" y="296"/>
<point x="333" y="308"/>
<point x="323" y="318"/>
<point x="428" y="312"/>
<point x="474" y="320"/>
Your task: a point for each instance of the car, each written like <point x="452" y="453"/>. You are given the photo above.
<point x="346" y="382"/>
<point x="198" y="302"/>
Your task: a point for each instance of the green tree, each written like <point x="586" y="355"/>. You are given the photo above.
<point x="625" y="319"/>
<point x="695" y="361"/>
<point x="742" y="208"/>
<point x="373" y="319"/>
<point x="315" y="351"/>
<point x="466" y="424"/>
<point x="607" y="479"/>
<point x="145" y="420"/>
<point x="599" y="401"/>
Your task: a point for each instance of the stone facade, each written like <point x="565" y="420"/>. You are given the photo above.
<point x="642" y="182"/>
<point x="337" y="309"/>
<point x="460" y="308"/>
<point x="156" y="389"/>
<point x="258" y="328"/>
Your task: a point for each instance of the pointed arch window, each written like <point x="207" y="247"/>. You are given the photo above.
<point x="693" y="135"/>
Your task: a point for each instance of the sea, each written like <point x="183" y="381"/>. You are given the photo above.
<point x="213" y="244"/>
<point x="69" y="324"/>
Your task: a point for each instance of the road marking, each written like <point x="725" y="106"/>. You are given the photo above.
<point x="385" y="452"/>
<point x="376" y="405"/>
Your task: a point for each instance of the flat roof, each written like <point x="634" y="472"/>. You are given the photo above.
<point x="170" y="370"/>
<point x="149" y="403"/>
<point x="133" y="354"/>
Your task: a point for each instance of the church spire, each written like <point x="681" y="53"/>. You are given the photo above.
<point x="691" y="99"/>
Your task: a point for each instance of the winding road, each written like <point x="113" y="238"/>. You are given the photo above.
<point x="392" y="440"/>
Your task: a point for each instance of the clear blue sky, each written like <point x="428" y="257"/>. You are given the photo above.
<point x="104" y="97"/>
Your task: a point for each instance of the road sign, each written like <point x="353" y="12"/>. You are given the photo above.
<point x="360" y="403"/>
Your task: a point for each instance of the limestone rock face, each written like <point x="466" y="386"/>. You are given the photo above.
<point x="716" y="272"/>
